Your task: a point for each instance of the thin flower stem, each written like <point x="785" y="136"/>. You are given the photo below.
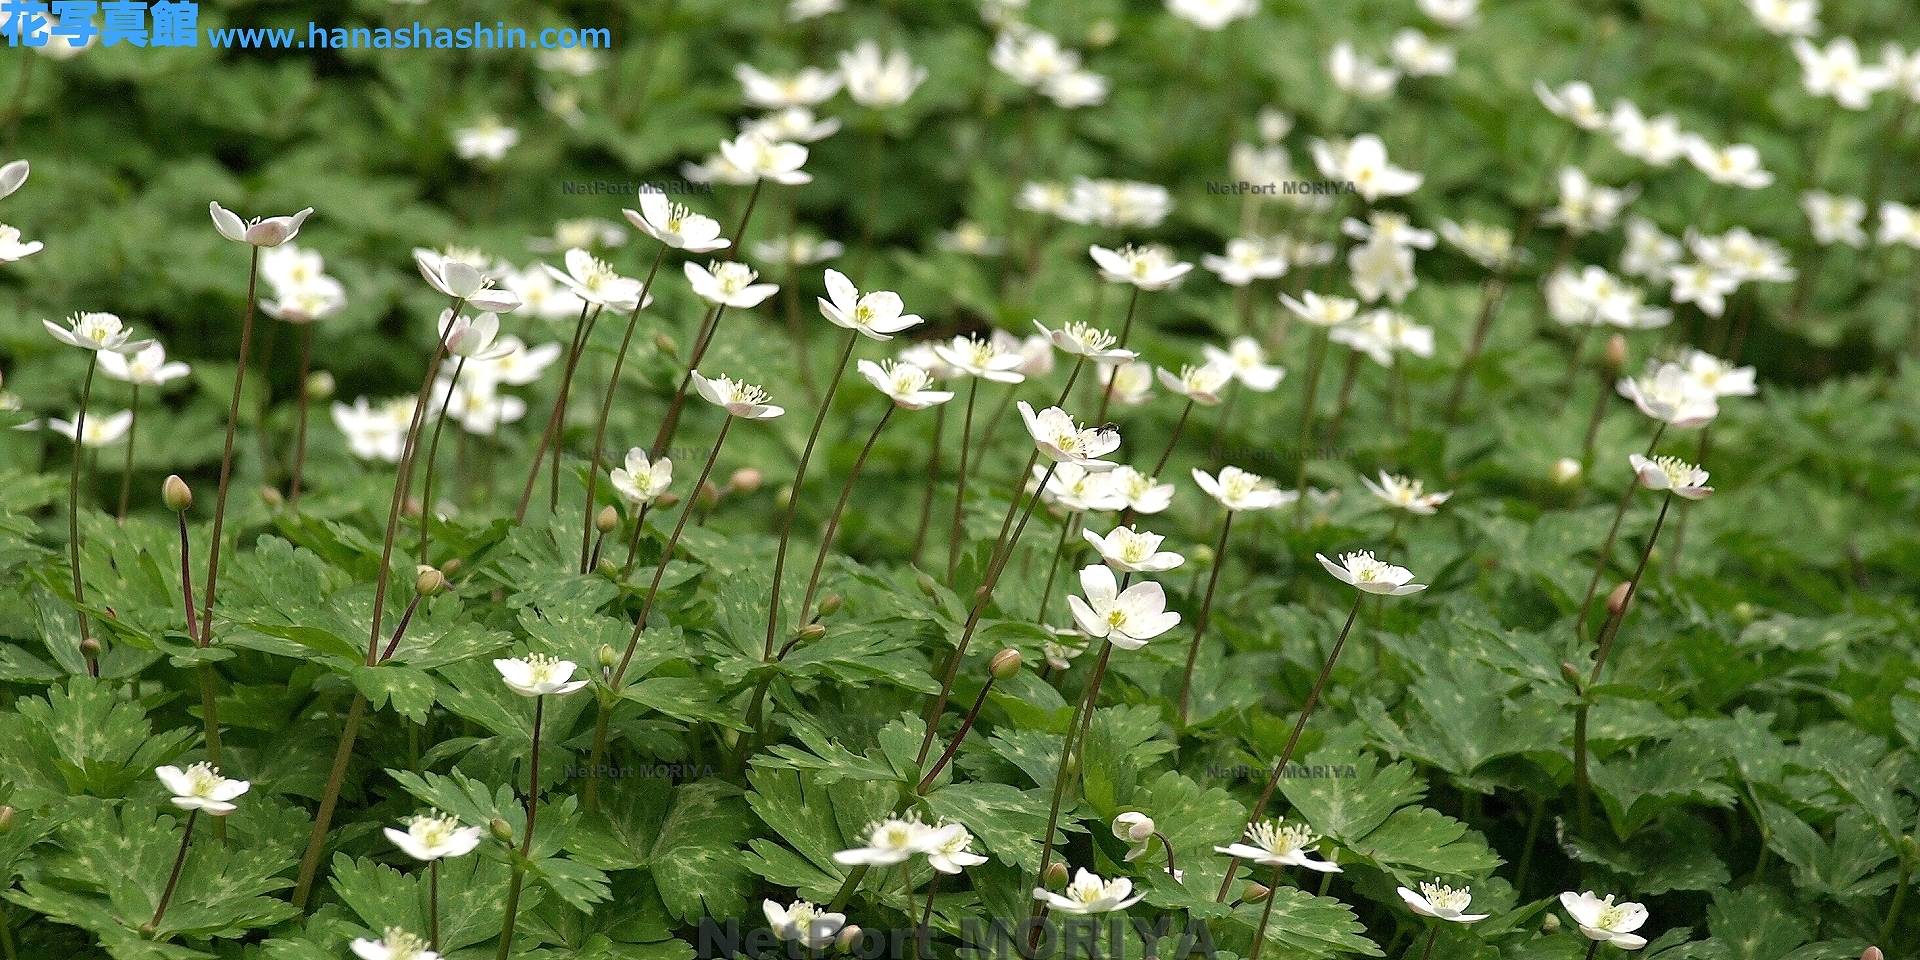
<point x="955" y="536"/>
<point x="1593" y="423"/>
<point x="1672" y="568"/>
<point x="1200" y="622"/>
<point x="1053" y="568"/>
<point x="73" y="503"/>
<point x="1173" y="439"/>
<point x="126" y="469"/>
<point x="1633" y="586"/>
<point x="1126" y="329"/>
<point x="790" y="304"/>
<point x="606" y="408"/>
<point x="1316" y="358"/>
<point x="1076" y="726"/>
<point x="839" y="508"/>
<point x="958" y="736"/>
<point x="582" y="327"/>
<point x="1349" y="375"/>
<point x="1899" y="900"/>
<point x="186" y="580"/>
<point x="1593" y="948"/>
<point x="993" y="423"/>
<point x="402" y="483"/>
<point x="1434" y="934"/>
<point x="933" y="478"/>
<point x="793" y="500"/>
<point x="401" y="630"/>
<point x="1286" y="755"/>
<point x="633" y="542"/>
<point x="316" y="841"/>
<point x="262" y="434"/>
<point x="226" y="457"/>
<point x="526" y="838"/>
<point x="1266" y="909"/>
<point x="173" y="879"/>
<point x="704" y="338"/>
<point x="1613" y="532"/>
<point x="300" y="418"/>
<point x="1581" y="791"/>
<point x="433" y="458"/>
<point x="1573" y="369"/>
<point x="433" y="905"/>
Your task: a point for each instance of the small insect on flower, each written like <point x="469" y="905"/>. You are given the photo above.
<point x="877" y="315"/>
<point x="201" y="787"/>
<point x="1402" y="493"/>
<point x="1605" y="921"/>
<point x="1131" y="551"/>
<point x="270" y="232"/>
<point x="803" y="922"/>
<point x="1090" y="894"/>
<point x="1127" y="619"/>
<point x="1671" y="474"/>
<point x="889" y="842"/>
<point x="1062" y="440"/>
<point x="538" y="675"/>
<point x="1371" y="575"/>
<point x="1270" y="844"/>
<point x="434" y="836"/>
<point x="394" y="944"/>
<point x="1442" y="902"/>
<point x="743" y="400"/>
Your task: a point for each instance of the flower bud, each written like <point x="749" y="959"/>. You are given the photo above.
<point x="1617" y="600"/>
<point x="451" y="567"/>
<point x="272" y="497"/>
<point x="6" y="818"/>
<point x="832" y="604"/>
<point x="1005" y="664"/>
<point x="745" y="480"/>
<point x="1616" y="356"/>
<point x="927" y="586"/>
<point x="320" y="385"/>
<point x="1566" y="472"/>
<point x="1055" y="877"/>
<point x="850" y="936"/>
<point x="1550" y="924"/>
<point x="665" y="344"/>
<point x="176" y="493"/>
<point x="90" y="648"/>
<point x="1200" y="556"/>
<point x="430" y="583"/>
<point x="1873" y="953"/>
<point x="607" y="568"/>
<point x="608" y="655"/>
<point x="666" y="500"/>
<point x="1743" y="613"/>
<point x="783" y="497"/>
<point x="412" y="507"/>
<point x="709" y="495"/>
<point x="1102" y="33"/>
<point x="501" y="830"/>
<point x="812" y="632"/>
<point x="1572" y="675"/>
<point x="1132" y="826"/>
<point x="608" y="520"/>
<point x="1256" y="893"/>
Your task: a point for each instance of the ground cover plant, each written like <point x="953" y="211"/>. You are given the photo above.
<point x="1041" y="478"/>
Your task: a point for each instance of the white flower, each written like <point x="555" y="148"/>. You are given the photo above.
<point x="12" y="249"/>
<point x="538" y="675"/>
<point x="305" y="302"/>
<point x="1787" y="17"/>
<point x="639" y="481"/>
<point x="1236" y="489"/>
<point x="12" y="175"/>
<point x="1381" y="270"/>
<point x="1076" y="88"/>
<point x="1248" y="364"/>
<point x="1061" y="648"/>
<point x="889" y="842"/>
<point x="1327" y="311"/>
<point x="1150" y="267"/>
<point x="877" y="314"/>
<point x="1658" y="141"/>
<point x="729" y="283"/>
<point x="102" y="430"/>
<point x="573" y="61"/>
<point x="1081" y="339"/>
<point x="1090" y="894"/>
<point x="873" y="81"/>
<point x="472" y="337"/>
<point x="809" y="87"/>
<point x="1373" y="576"/>
<point x="96" y="332"/>
<point x="518" y="365"/>
<point x="1381" y="334"/>
<point x="1385" y="227"/>
<point x="1671" y="474"/>
<point x="796" y="249"/>
<point x="1717" y="376"/>
<point x="971" y="239"/>
<point x="1838" y="73"/>
<point x="270" y="232"/>
<point x="1128" y="384"/>
<point x="717" y="168"/>
<point x="803" y="923"/>
<point x="1130" y="551"/>
<point x="1269" y="164"/>
<point x="1031" y="56"/>
<point x="1451" y="13"/>
<point x="1703" y="285"/>
<point x="674" y="224"/>
<point x="1201" y="384"/>
<point x="435" y="835"/>
<point x="1247" y="259"/>
<point x="1669" y="393"/>
<point x="1649" y="253"/>
<point x="1358" y="75"/>
<point x="1736" y="164"/>
<point x="1606" y="921"/>
<point x="1272" y="845"/>
<point x="1212" y="14"/>
<point x="1127" y="619"/>
<point x="794" y="123"/>
<point x="1063" y="441"/>
<point x="1139" y="492"/>
<point x="1405" y="494"/>
<point x="1075" y="489"/>
<point x="983" y="358"/>
<point x="477" y="404"/>
<point x="201" y="787"/>
<point x="147" y="367"/>
<point x="1442" y="902"/>
<point x="799" y="10"/>
<point x="904" y="383"/>
<point x="1137" y="830"/>
<point x="1587" y="207"/>
<point x="1904" y="68"/>
<point x="1835" y="219"/>
<point x="1363" y="162"/>
<point x="1743" y="255"/>
<point x="394" y="944"/>
<point x="1574" y="103"/>
<point x="1419" y="56"/>
<point x="591" y="279"/>
<point x="755" y="157"/>
<point x="457" y="277"/>
<point x="375" y="434"/>
<point x="947" y="848"/>
<point x="743" y="400"/>
<point x="1487" y="245"/>
<point x="488" y="139"/>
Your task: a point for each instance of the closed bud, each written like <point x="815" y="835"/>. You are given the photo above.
<point x="709" y="495"/>
<point x="1056" y="877"/>
<point x="1566" y="472"/>
<point x="1616" y="354"/>
<point x="832" y="604"/>
<point x="1550" y="924"/>
<point x="666" y="500"/>
<point x="1572" y="675"/>
<point x="6" y="818"/>
<point x="665" y="344"/>
<point x="1256" y="893"/>
<point x="1617" y="600"/>
<point x="430" y="583"/>
<point x="1743" y="613"/>
<point x="1005" y="664"/>
<point x="926" y="585"/>
<point x="745" y="480"/>
<point x="412" y="507"/>
<point x="1873" y="953"/>
<point x="608" y="520"/>
<point x="90" y="648"/>
<point x="501" y="830"/>
<point x="272" y="497"/>
<point x="1201" y="555"/>
<point x="176" y="493"/>
<point x="451" y="567"/>
<point x="981" y="593"/>
<point x="607" y="568"/>
<point x="812" y="632"/>
<point x="783" y="497"/>
<point x="608" y="655"/>
<point x="320" y="385"/>
<point x="849" y="936"/>
<point x="1102" y="33"/>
